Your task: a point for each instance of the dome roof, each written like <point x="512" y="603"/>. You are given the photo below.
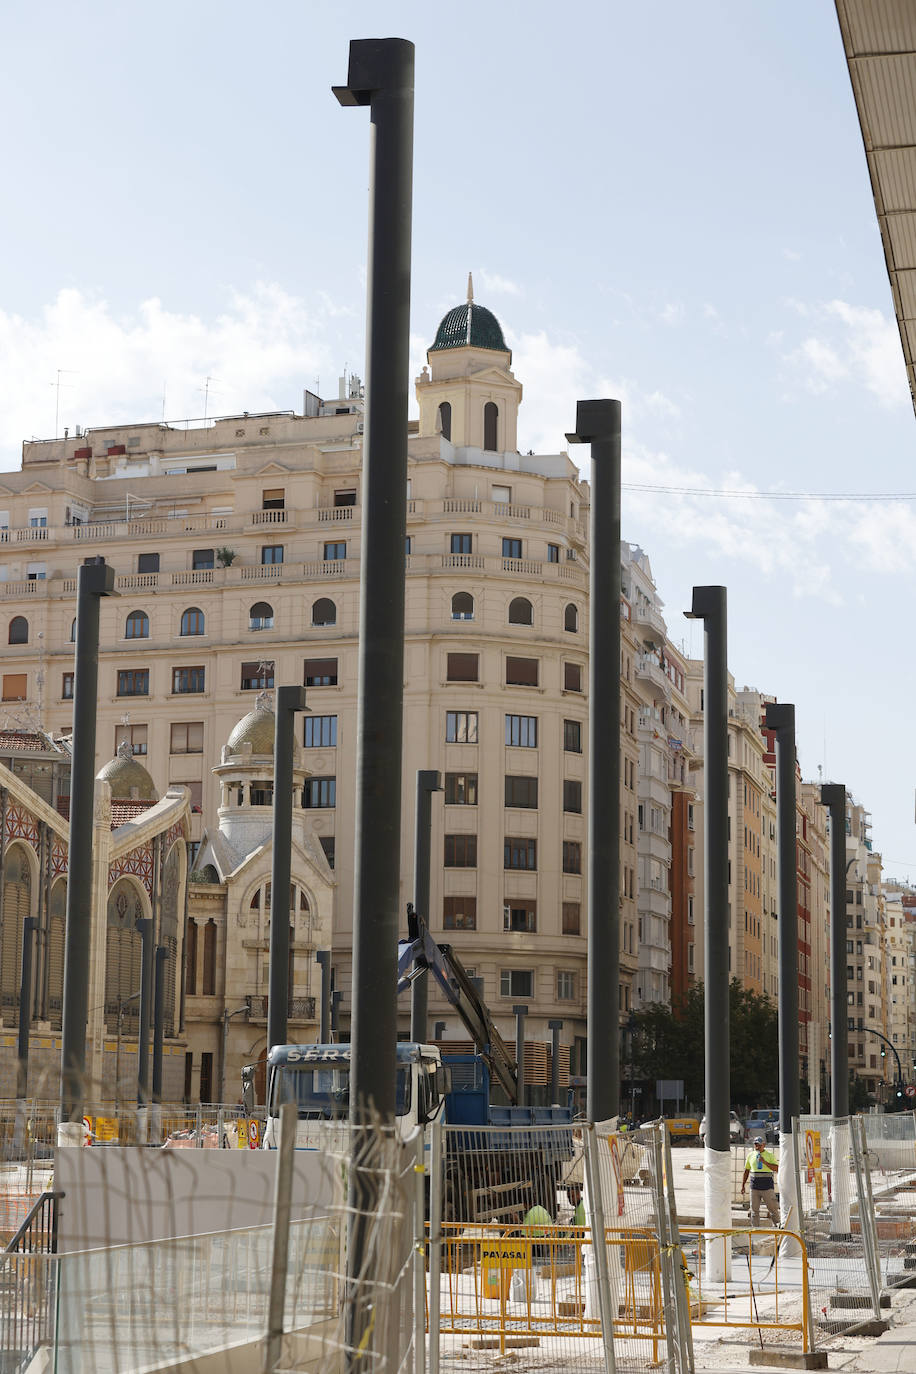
<point x="124" y="774"/>
<point x="256" y="729"/>
<point x="470" y="326"/>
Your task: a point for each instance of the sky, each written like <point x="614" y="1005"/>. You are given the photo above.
<point x="664" y="203"/>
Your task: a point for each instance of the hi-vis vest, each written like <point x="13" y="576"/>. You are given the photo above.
<point x="755" y="1162"/>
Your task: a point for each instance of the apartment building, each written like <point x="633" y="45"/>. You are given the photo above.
<point x="864" y="950"/>
<point x="236" y="548"/>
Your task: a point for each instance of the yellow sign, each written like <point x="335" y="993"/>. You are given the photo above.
<point x="505" y="1254"/>
<point x="813" y="1161"/>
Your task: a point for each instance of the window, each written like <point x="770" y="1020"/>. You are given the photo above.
<point x="461" y="789"/>
<point x="320" y="732"/>
<point x="273" y="499"/>
<point x="461" y="727"/>
<point x="521" y="611"/>
<point x="460" y="851"/>
<point x="272" y="553"/>
<point x="38" y="518"/>
<point x="202" y="558"/>
<point x="261" y="616"/>
<point x="571" y="619"/>
<point x="572" y="677"/>
<point x="490" y="426"/>
<point x="572" y="918"/>
<point x="187" y="737"/>
<point x="335" y="551"/>
<point x="19" y="630"/>
<point x="572" y="796"/>
<point x="73" y="630"/>
<point x="522" y="792"/>
<point x="522" y="731"/>
<point x="462" y="667"/>
<point x="320" y="672"/>
<point x="462" y="606"/>
<point x="137" y="736"/>
<point x="324" y="612"/>
<point x="319" y="794"/>
<point x="445" y="419"/>
<point x="15" y="686"/>
<point x="329" y="847"/>
<point x="192" y="621"/>
<point x="566" y="985"/>
<point x="66" y="690"/>
<point x="522" y="672"/>
<point x="572" y="736"/>
<point x="520" y="853"/>
<point x="516" y="982"/>
<point x="512" y="548"/>
<point x="261" y="793"/>
<point x="37" y="572"/>
<point x="572" y="856"/>
<point x="257" y="677"/>
<point x="345" y="497"/>
<point x="188" y="680"/>
<point x="133" y="682"/>
<point x="147" y="562"/>
<point x="459" y="913"/>
<point x="520" y="916"/>
<point x="460" y="543"/>
<point x="553" y="553"/>
<point x="137" y="625"/>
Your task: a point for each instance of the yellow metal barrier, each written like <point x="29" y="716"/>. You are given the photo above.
<point x="520" y="1284"/>
<point x="737" y="1303"/>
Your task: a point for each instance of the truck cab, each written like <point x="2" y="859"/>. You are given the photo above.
<point x="317" y="1079"/>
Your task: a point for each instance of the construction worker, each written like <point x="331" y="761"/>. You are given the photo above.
<point x="761" y="1165"/>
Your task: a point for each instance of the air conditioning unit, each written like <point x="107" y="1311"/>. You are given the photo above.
<point x="360" y="426"/>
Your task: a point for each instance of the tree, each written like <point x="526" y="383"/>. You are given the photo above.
<point x="669" y="1043"/>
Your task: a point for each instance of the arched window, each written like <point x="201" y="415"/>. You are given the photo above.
<point x="490" y="417"/>
<point x="19" y="630"/>
<point x="261" y="616"/>
<point x="462" y="606"/>
<point x="571" y="619"/>
<point x="324" y="612"/>
<point x="520" y="612"/>
<point x="192" y="621"/>
<point x="16" y="906"/>
<point x="137" y="625"/>
<point x="445" y="419"/>
<point x="73" y="631"/>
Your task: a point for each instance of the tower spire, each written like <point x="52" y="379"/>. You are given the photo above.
<point x="470" y="289"/>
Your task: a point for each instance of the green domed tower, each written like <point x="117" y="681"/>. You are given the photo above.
<point x="468" y="394"/>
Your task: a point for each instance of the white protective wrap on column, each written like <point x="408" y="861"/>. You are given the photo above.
<point x="840" y="1181"/>
<point x="717" y="1211"/>
<point x="598" y="1172"/>
<point x="789" y="1200"/>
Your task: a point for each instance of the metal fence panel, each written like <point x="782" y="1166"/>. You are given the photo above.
<point x="836" y="1224"/>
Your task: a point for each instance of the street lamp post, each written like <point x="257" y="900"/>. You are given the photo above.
<point x="598" y="424"/>
<point x="288" y="701"/>
<point x="227" y="1017"/>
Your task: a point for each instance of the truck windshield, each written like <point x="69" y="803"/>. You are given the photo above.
<point x="322" y="1091"/>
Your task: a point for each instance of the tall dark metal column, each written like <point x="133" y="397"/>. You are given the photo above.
<point x="598" y="424"/>
<point x="555" y="1027"/>
<point x="428" y="782"/>
<point x="162" y="955"/>
<point x="520" y="1012"/>
<point x="93" y="581"/>
<point x="323" y="959"/>
<point x="29" y="926"/>
<point x="833" y="796"/>
<point x="710" y="606"/>
<point x="381" y="75"/>
<point x="780" y="718"/>
<point x="145" y="927"/>
<point x="288" y="700"/>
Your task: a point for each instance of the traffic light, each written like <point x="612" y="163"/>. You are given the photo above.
<point x="883" y="1052"/>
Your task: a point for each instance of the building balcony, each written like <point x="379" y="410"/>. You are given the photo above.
<point x="653" y="845"/>
<point x="298" y="1009"/>
<point x="650" y="669"/>
<point x="654" y="901"/>
<point x="647" y="617"/>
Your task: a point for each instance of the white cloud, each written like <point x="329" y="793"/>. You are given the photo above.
<point x="850" y="344"/>
<point x="259" y="352"/>
<point x="673" y="313"/>
<point x="791" y="254"/>
<point x="493" y="282"/>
